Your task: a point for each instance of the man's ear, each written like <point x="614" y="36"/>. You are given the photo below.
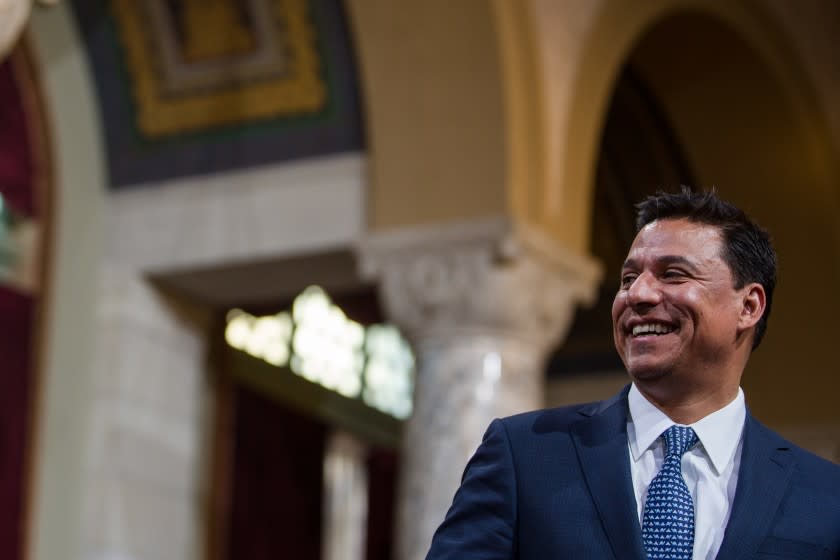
<point x="753" y="303"/>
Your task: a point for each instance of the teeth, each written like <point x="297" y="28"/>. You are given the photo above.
<point x="655" y="328"/>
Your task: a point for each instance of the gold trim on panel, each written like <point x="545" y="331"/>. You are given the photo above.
<point x="299" y="90"/>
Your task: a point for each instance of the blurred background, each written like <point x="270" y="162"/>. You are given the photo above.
<point x="268" y="268"/>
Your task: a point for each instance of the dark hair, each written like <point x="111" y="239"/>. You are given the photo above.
<point x="746" y="246"/>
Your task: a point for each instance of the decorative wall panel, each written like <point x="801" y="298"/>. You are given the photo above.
<point x="191" y="87"/>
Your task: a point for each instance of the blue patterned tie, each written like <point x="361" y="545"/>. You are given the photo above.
<point x="668" y="520"/>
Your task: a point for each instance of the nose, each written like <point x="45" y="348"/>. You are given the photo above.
<point x="644" y="291"/>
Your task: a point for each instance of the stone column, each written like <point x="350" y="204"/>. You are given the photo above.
<point x="345" y="499"/>
<point x="482" y="303"/>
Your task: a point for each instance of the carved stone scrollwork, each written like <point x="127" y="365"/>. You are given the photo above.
<point x="13" y="17"/>
<point x="479" y="277"/>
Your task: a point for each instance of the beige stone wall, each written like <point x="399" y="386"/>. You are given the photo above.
<point x="435" y="122"/>
<point x="71" y="295"/>
<point x="811" y="30"/>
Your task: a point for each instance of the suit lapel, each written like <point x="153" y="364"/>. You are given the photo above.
<point x="601" y="444"/>
<point x="763" y="478"/>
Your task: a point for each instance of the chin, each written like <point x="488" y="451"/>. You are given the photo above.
<point x="647" y="372"/>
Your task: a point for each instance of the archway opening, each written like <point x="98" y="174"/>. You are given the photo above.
<point x="697" y="103"/>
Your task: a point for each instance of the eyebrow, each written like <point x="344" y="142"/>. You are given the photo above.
<point x="664" y="260"/>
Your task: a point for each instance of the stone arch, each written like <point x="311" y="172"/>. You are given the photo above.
<point x="600" y="40"/>
<point x="748" y="120"/>
<point x="77" y="166"/>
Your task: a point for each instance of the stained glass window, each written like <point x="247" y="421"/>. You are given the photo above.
<point x="318" y="342"/>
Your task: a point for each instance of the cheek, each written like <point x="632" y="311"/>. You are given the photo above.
<point x="693" y="301"/>
<point x="618" y="306"/>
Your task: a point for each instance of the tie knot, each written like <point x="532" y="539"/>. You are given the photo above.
<point x="678" y="440"/>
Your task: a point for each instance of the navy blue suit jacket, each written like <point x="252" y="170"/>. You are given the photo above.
<point x="555" y="484"/>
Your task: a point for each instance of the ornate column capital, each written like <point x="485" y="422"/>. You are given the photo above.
<point x="13" y="16"/>
<point x="483" y="302"/>
<point x="478" y="277"/>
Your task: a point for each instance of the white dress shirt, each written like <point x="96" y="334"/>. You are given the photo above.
<point x="710" y="468"/>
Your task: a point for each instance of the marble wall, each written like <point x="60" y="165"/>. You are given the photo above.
<point x="144" y="446"/>
<point x="147" y="441"/>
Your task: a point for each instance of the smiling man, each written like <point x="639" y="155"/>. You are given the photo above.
<point x="674" y="467"/>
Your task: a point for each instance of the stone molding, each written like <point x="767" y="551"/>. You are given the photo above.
<point x="479" y="277"/>
<point x="13" y="16"/>
<point x="253" y="214"/>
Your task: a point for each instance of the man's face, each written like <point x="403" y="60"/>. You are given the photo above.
<point x="676" y="312"/>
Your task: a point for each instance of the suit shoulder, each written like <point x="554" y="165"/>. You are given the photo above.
<point x="818" y="470"/>
<point x="558" y="419"/>
<point x="821" y="468"/>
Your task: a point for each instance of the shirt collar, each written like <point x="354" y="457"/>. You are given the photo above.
<point x="714" y="431"/>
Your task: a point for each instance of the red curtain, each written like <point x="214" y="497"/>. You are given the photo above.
<point x="383" y="470"/>
<point x="15" y="357"/>
<point x="16" y="163"/>
<point x="277" y="482"/>
<point x="16" y="323"/>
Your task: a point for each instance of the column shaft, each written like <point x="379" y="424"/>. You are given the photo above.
<point x="462" y="384"/>
<point x="482" y="303"/>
